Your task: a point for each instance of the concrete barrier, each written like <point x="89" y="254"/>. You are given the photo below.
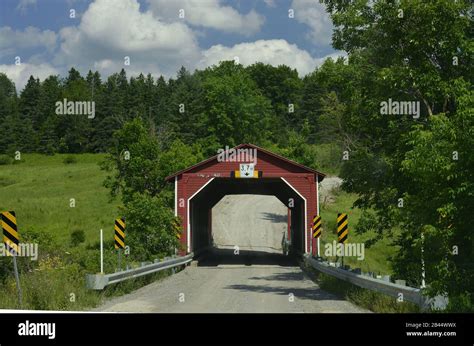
<point x="100" y="281"/>
<point x="410" y="294"/>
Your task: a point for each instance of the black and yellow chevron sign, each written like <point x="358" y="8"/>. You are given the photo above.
<point x="119" y="236"/>
<point x="237" y="174"/>
<point x="10" y="233"/>
<point x="177" y="228"/>
<point x="316" y="228"/>
<point x="342" y="228"/>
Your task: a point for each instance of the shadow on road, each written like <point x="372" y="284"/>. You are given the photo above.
<point x="216" y="257"/>
<point x="292" y="280"/>
<point x="275" y="218"/>
<point x="311" y="293"/>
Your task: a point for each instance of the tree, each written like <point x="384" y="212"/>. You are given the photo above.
<point x="29" y="115"/>
<point x="439" y="164"/>
<point x="8" y="107"/>
<point x="419" y="63"/>
<point x="185" y="107"/>
<point x="139" y="169"/>
<point x="7" y="96"/>
<point x="150" y="232"/>
<point x="235" y="110"/>
<point x="74" y="129"/>
<point x="160" y="106"/>
<point x="401" y="167"/>
<point x="283" y="88"/>
<point x="50" y="93"/>
<point x="138" y="163"/>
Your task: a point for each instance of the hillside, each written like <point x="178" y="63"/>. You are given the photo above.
<point x="39" y="189"/>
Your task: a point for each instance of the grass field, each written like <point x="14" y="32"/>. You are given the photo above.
<point x="376" y="257"/>
<point x="39" y="189"/>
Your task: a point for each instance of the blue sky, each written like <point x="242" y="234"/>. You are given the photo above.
<point x="155" y="38"/>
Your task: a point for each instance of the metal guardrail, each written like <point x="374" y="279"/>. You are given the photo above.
<point x="410" y="294"/>
<point x="100" y="281"/>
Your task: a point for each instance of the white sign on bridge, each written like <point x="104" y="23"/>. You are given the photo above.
<point x="246" y="170"/>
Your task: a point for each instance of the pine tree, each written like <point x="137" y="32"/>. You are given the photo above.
<point x="29" y="115"/>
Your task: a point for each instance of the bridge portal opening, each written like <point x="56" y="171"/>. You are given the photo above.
<point x="249" y="222"/>
<point x="264" y="216"/>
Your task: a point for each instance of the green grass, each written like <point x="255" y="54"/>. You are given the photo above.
<point x="39" y="189"/>
<point x="376" y="257"/>
<point x="326" y="158"/>
<point x="64" y="289"/>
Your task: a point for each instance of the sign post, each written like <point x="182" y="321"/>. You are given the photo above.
<point x="11" y="241"/>
<point x="101" y="251"/>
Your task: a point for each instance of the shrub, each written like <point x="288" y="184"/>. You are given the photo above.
<point x="77" y="237"/>
<point x="69" y="160"/>
<point x="150" y="231"/>
<point x="5" y="160"/>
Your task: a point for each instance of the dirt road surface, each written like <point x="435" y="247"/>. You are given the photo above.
<point x="251" y="222"/>
<point x="257" y="279"/>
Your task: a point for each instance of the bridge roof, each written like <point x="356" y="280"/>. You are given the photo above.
<point x="275" y="157"/>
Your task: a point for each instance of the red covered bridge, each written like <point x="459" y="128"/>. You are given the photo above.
<point x="245" y="169"/>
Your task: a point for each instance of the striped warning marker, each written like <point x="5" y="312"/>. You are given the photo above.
<point x="10" y="233"/>
<point x="119" y="236"/>
<point x="316" y="228"/>
<point x="342" y="228"/>
<point x="177" y="228"/>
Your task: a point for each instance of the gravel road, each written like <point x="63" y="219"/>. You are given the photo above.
<point x="326" y="187"/>
<point x="233" y="288"/>
<point x="258" y="279"/>
<point x="251" y="222"/>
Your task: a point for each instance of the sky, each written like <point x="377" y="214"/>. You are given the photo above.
<point x="45" y="37"/>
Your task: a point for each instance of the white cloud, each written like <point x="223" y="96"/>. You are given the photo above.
<point x="13" y="40"/>
<point x="111" y="30"/>
<point x="24" y="4"/>
<point x="209" y="14"/>
<point x="273" y="52"/>
<point x="269" y="3"/>
<point x="156" y="42"/>
<point x="20" y="74"/>
<point x="314" y="14"/>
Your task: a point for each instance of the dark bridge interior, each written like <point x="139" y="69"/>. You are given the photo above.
<point x="208" y="197"/>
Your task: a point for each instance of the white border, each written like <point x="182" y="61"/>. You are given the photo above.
<point x="305" y="216"/>
<point x="176" y="196"/>
<point x="317" y="193"/>
<point x="317" y="210"/>
<point x="187" y="212"/>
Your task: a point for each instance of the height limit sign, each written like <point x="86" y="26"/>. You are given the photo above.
<point x="247" y="170"/>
